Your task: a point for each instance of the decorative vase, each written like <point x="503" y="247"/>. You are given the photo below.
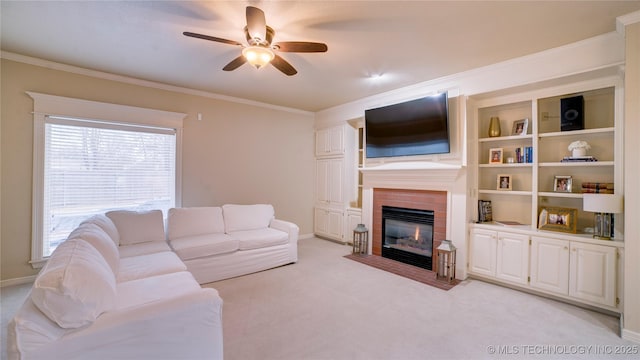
<point x="494" y="127"/>
<point x="579" y="152"/>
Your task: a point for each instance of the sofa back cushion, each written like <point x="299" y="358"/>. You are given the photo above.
<point x="137" y="227"/>
<point x="247" y="217"/>
<point x="75" y="286"/>
<point x="182" y="222"/>
<point x="107" y="225"/>
<point x="98" y="238"/>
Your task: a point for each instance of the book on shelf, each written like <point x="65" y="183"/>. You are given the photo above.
<point x="578" y="158"/>
<point x="485" y="213"/>
<point x="524" y="154"/>
<point x="597" y="188"/>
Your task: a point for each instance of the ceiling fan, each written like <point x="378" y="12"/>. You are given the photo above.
<point x="261" y="51"/>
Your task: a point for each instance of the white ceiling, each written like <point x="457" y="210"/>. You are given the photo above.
<point x="404" y="42"/>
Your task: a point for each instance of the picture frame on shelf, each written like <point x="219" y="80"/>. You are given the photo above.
<point x="520" y="127"/>
<point x="485" y="212"/>
<point x="563" y="183"/>
<point x="558" y="219"/>
<point x="504" y="182"/>
<point x="495" y="155"/>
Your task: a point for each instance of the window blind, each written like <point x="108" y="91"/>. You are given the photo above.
<point x="91" y="167"/>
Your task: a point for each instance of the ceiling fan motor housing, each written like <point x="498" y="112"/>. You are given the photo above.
<point x="257" y="41"/>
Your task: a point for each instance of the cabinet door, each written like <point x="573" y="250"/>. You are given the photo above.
<point x="550" y="265"/>
<point x="482" y="257"/>
<point x="323" y="145"/>
<point x="335" y="181"/>
<point x="513" y="257"/>
<point x="335" y="224"/>
<point x="322" y="181"/>
<point x="320" y="221"/>
<point x="336" y="140"/>
<point x="592" y="274"/>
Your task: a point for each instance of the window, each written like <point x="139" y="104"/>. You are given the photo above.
<point x="84" y="166"/>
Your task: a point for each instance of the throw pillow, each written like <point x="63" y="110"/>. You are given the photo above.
<point x="138" y="227"/>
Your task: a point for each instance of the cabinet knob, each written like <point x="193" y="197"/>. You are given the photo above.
<point x="566" y="248"/>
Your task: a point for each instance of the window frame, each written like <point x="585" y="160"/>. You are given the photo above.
<point x="51" y="105"/>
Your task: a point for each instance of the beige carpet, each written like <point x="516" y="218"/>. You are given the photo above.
<point x="329" y="307"/>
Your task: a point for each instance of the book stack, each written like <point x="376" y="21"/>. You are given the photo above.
<point x="524" y="154"/>
<point x="597" y="188"/>
<point x="485" y="213"/>
<point x="578" y="158"/>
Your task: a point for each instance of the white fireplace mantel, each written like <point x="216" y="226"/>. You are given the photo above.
<point x="411" y="175"/>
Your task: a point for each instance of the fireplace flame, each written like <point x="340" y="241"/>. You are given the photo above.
<point x="417" y="235"/>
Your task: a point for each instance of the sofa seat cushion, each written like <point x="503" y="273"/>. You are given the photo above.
<point x="198" y="246"/>
<point x="138" y="227"/>
<point x="183" y="222"/>
<point x="247" y="217"/>
<point x="143" y="291"/>
<point x="143" y="266"/>
<point x="75" y="286"/>
<point x="255" y="239"/>
<point x="150" y="247"/>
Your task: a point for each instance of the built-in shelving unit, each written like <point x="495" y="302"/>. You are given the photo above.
<point x="570" y="266"/>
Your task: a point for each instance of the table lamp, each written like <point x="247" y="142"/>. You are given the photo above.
<point x="604" y="206"/>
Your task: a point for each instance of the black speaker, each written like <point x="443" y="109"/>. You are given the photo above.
<point x="572" y="113"/>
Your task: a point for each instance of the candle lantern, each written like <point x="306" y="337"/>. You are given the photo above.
<point x="360" y="239"/>
<point x="446" y="261"/>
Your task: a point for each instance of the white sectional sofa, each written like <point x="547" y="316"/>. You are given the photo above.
<point x="219" y="243"/>
<point x="116" y="288"/>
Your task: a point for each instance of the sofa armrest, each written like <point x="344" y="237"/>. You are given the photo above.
<point x="184" y="327"/>
<point x="290" y="228"/>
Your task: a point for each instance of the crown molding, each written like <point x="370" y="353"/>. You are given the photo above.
<point x="146" y="83"/>
<point x="626" y="20"/>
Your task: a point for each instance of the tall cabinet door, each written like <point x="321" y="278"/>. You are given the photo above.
<point x="550" y="264"/>
<point x="335" y="181"/>
<point x="322" y="181"/>
<point x="482" y="257"/>
<point x="592" y="273"/>
<point x="513" y="257"/>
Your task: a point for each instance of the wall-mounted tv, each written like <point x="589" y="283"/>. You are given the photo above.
<point x="416" y="127"/>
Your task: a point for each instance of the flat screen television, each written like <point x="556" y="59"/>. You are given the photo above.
<point x="416" y="127"/>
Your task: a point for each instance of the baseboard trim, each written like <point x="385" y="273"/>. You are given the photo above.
<point x="17" y="281"/>
<point x="306" y="236"/>
<point x="631" y="335"/>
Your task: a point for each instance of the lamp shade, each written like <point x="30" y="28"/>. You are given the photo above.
<point x="602" y="203"/>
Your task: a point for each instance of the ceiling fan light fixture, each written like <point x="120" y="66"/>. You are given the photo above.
<point x="258" y="56"/>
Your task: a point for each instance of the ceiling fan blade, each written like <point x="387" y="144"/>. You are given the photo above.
<point x="282" y="65"/>
<point x="235" y="63"/>
<point x="211" y="38"/>
<point x="256" y="23"/>
<point x="301" y="46"/>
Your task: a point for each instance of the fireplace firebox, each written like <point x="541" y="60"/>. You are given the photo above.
<point x="407" y="236"/>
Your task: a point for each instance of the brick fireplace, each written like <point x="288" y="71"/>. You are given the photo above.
<point x="435" y="201"/>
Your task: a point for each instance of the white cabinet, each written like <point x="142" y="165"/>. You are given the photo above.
<point x="354" y="217"/>
<point x="329" y="223"/>
<point x="550" y="265"/>
<point x="482" y="252"/>
<point x="330" y="142"/>
<point x="329" y="181"/>
<point x="592" y="274"/>
<point x="512" y="257"/>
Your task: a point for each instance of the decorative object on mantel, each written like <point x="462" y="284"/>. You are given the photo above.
<point x="494" y="127"/>
<point x="360" y="239"/>
<point x="579" y="148"/>
<point x="604" y="206"/>
<point x="446" y="261"/>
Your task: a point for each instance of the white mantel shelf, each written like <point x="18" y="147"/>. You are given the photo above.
<point x="416" y="175"/>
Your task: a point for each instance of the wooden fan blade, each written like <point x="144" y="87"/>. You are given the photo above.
<point x="235" y="63"/>
<point x="211" y="38"/>
<point x="282" y="65"/>
<point x="256" y="23"/>
<point x="301" y="46"/>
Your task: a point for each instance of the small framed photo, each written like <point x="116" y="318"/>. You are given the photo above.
<point x="558" y="219"/>
<point x="520" y="127"/>
<point x="495" y="156"/>
<point x="562" y="183"/>
<point x="504" y="182"/>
